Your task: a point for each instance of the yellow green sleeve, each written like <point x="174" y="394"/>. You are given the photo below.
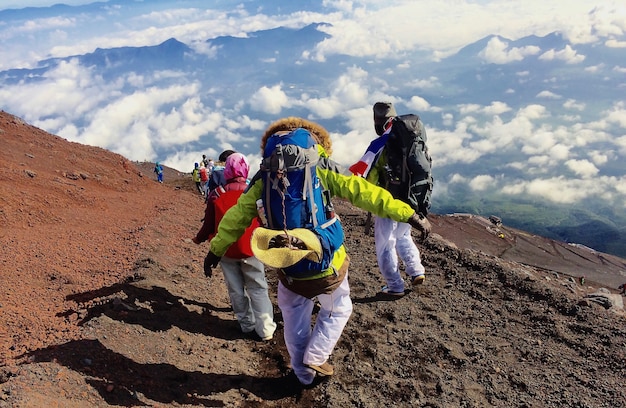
<point x="366" y="195"/>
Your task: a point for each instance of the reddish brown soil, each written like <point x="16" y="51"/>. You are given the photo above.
<point x="103" y="303"/>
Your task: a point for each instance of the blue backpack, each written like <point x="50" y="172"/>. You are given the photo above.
<point x="293" y="196"/>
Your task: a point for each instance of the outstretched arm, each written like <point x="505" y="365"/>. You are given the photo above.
<point x="370" y="197"/>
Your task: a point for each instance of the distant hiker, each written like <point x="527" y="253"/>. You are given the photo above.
<point x="244" y="274"/>
<point x="622" y="289"/>
<point x="204" y="179"/>
<point x="195" y="176"/>
<point x="303" y="239"/>
<point x="217" y="175"/>
<point x="581" y="280"/>
<point x="205" y="161"/>
<point x="158" y="169"/>
<point x="210" y="165"/>
<point x="378" y="165"/>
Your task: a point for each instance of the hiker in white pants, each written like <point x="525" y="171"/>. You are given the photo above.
<point x="394" y="239"/>
<point x="312" y="346"/>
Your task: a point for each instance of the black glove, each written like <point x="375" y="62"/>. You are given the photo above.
<point x="420" y="223"/>
<point x="210" y="262"/>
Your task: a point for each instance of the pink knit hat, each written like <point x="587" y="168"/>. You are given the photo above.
<point x="236" y="166"/>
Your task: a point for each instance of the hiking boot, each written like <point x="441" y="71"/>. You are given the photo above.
<point x="322" y="369"/>
<point x="385" y="291"/>
<point x="252" y="335"/>
<point x="417" y="280"/>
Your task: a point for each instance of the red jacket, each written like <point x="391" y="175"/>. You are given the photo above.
<point x="212" y="217"/>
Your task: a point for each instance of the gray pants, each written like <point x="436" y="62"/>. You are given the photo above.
<point x="247" y="289"/>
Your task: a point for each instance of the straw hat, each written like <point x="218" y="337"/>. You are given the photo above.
<point x="273" y="249"/>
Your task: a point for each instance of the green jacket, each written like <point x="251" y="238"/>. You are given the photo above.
<point x="357" y="190"/>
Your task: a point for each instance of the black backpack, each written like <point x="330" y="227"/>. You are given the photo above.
<point x="408" y="175"/>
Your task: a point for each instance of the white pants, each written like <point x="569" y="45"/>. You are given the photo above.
<point x="308" y="345"/>
<point x="394" y="238"/>
<point x="247" y="289"/>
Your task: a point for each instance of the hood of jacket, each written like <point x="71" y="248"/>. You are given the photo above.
<point x="236" y="166"/>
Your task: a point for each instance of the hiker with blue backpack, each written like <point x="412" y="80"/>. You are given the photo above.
<point x="243" y="273"/>
<point x="302" y="238"/>
<point x="398" y="161"/>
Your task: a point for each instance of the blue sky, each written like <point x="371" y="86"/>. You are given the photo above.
<point x="17" y="4"/>
<point x="372" y="29"/>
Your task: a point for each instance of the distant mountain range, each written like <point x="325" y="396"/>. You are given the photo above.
<point x="533" y="70"/>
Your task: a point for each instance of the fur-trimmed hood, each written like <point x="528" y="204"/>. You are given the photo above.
<point x="320" y="134"/>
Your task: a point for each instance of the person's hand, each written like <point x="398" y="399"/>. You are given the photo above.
<point x="210" y="262"/>
<point x="420" y="223"/>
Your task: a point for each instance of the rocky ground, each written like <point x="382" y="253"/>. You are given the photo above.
<point x="103" y="303"/>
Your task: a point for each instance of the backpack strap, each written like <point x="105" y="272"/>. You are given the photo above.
<point x="219" y="191"/>
<point x="307" y="192"/>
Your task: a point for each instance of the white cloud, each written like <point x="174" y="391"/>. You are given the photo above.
<point x="541" y="160"/>
<point x="68" y="91"/>
<point x="567" y="191"/>
<point x="347" y="92"/>
<point x="496" y="52"/>
<point x="418" y="104"/>
<point x="450" y="147"/>
<point x="612" y="43"/>
<point x="269" y="100"/>
<point x="582" y="168"/>
<point x="548" y="95"/>
<point x="429" y="83"/>
<point x="469" y="108"/>
<point x="557" y="189"/>
<point x="570" y="118"/>
<point x="598" y="157"/>
<point x="559" y="152"/>
<point x="620" y="142"/>
<point x="619" y="69"/>
<point x="499" y="136"/>
<point x="482" y="182"/>
<point x="457" y="178"/>
<point x="496" y="108"/>
<point x="537" y="142"/>
<point x="359" y="27"/>
<point x="617" y="114"/>
<point x="573" y="104"/>
<point x="569" y="55"/>
<point x="133" y="126"/>
<point x="594" y="68"/>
